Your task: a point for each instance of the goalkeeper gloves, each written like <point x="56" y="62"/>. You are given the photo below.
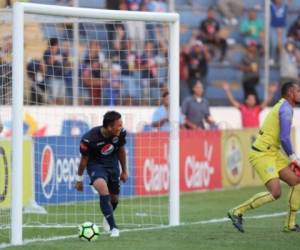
<point x="295" y="164"/>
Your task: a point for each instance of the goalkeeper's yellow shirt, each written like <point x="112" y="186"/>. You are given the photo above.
<point x="276" y="129"/>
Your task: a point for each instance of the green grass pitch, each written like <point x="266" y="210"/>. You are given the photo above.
<point x="196" y="208"/>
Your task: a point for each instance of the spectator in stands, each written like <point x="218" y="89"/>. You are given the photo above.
<point x="110" y="26"/>
<point x="5" y="79"/>
<point x="149" y="74"/>
<point x="290" y="58"/>
<point x="157" y="6"/>
<point x="160" y="117"/>
<point x="93" y="52"/>
<point x="196" y="110"/>
<point x="250" y="110"/>
<point x="136" y="30"/>
<point x="53" y="60"/>
<point x="279" y="11"/>
<point x="92" y="81"/>
<point x="35" y="73"/>
<point x="111" y="87"/>
<point x="252" y="28"/>
<point x="185" y="89"/>
<point x="231" y="9"/>
<point x="250" y="68"/>
<point x="197" y="59"/>
<point x="294" y="32"/>
<point x="128" y="61"/>
<point x="5" y="4"/>
<point x="5" y="70"/>
<point x="67" y="72"/>
<point x="209" y="33"/>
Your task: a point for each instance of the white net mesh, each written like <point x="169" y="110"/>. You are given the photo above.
<point x="5" y="127"/>
<point x="121" y="66"/>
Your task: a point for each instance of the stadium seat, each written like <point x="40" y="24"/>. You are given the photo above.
<point x="250" y="4"/>
<point x="191" y="18"/>
<point x="203" y="3"/>
<point x="97" y="4"/>
<point x="224" y="73"/>
<point x="44" y="2"/>
<point x="182" y="2"/>
<point x="49" y="31"/>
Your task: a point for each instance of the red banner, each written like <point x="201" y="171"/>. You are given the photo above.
<point x="151" y="166"/>
<point x="200" y="161"/>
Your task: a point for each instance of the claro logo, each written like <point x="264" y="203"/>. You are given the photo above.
<point x="156" y="176"/>
<point x="197" y="173"/>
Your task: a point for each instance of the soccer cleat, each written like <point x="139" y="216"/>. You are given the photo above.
<point x="237" y="220"/>
<point x="114" y="232"/>
<point x="296" y="228"/>
<point x="105" y="225"/>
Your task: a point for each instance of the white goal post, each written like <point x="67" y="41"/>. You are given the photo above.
<point x="19" y="10"/>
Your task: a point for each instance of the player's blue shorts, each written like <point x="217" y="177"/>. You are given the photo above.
<point x="110" y="175"/>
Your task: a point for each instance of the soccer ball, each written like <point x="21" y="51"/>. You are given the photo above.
<point x="88" y="231"/>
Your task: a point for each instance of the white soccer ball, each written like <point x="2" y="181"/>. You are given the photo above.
<point x="88" y="231"/>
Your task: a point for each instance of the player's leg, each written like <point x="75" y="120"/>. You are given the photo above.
<point x="288" y="176"/>
<point x="113" y="185"/>
<point x="100" y="185"/>
<point x="264" y="165"/>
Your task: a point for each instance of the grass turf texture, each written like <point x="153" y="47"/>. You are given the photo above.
<point x="265" y="233"/>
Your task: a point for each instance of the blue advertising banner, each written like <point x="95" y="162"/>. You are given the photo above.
<point x="56" y="164"/>
<point x="128" y="188"/>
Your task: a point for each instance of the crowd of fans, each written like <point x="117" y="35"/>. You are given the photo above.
<point x="133" y="69"/>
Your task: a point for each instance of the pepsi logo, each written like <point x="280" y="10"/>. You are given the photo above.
<point x="107" y="149"/>
<point x="47" y="171"/>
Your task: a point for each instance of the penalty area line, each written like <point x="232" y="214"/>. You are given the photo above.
<point x="211" y="221"/>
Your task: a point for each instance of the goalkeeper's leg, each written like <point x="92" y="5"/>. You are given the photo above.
<point x="258" y="200"/>
<point x="290" y="178"/>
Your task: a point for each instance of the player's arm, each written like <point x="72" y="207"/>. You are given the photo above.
<point x="272" y="89"/>
<point x="79" y="177"/>
<point x="123" y="162"/>
<point x="231" y="98"/>
<point x="84" y="147"/>
<point x="158" y="121"/>
<point x="184" y="111"/>
<point x="285" y="120"/>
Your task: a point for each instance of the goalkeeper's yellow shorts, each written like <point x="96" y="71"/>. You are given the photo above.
<point x="268" y="164"/>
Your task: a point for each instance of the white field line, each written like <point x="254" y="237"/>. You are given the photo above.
<point x="211" y="221"/>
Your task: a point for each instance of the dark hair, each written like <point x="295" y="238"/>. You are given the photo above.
<point x="110" y="117"/>
<point x="53" y="41"/>
<point x="165" y="93"/>
<point x="286" y="87"/>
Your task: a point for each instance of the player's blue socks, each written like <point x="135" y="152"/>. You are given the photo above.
<point x="107" y="210"/>
<point x="114" y="205"/>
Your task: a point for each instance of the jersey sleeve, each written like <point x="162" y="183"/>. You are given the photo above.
<point x="285" y="121"/>
<point x="84" y="145"/>
<point x="122" y="141"/>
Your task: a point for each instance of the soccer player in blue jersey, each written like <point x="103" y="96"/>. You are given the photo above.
<point x="274" y="159"/>
<point x="102" y="148"/>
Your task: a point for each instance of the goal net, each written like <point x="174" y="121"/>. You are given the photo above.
<point x="74" y="65"/>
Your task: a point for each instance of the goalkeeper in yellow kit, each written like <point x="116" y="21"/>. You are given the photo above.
<point x="274" y="159"/>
